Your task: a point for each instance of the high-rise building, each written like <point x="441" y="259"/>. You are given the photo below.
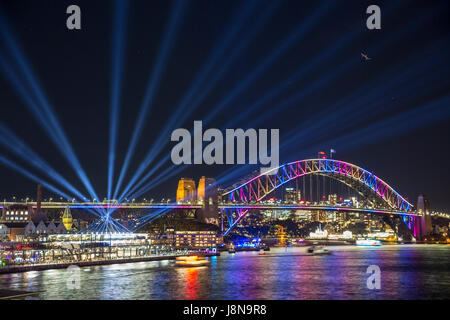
<point x="186" y="190"/>
<point x="38" y="199"/>
<point x="292" y="196"/>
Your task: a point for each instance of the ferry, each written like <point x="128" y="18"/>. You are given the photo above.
<point x="368" y="242"/>
<point x="191" y="261"/>
<point x="231" y="248"/>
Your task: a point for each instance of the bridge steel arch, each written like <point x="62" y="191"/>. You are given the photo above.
<point x="363" y="181"/>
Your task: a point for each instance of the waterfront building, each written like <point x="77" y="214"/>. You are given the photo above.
<point x="206" y="191"/>
<point x="332" y="199"/>
<point x="303" y="215"/>
<point x="319" y="234"/>
<point x="318" y="216"/>
<point x="207" y="196"/>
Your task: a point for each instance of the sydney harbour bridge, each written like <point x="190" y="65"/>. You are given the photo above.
<point x="227" y="207"/>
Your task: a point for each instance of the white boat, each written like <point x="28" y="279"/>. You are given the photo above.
<point x="318" y="250"/>
<point x="368" y="242"/>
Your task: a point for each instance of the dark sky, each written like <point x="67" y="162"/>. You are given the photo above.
<point x="339" y="95"/>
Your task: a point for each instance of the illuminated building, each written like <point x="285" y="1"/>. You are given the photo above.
<point x="17" y="215"/>
<point x="346" y="235"/>
<point x="39" y="198"/>
<point x="319" y="234"/>
<point x="197" y="239"/>
<point x="281" y="235"/>
<point x="67" y="218"/>
<point x="318" y="216"/>
<point x="186" y="190"/>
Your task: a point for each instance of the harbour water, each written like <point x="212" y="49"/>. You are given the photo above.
<point x="407" y="272"/>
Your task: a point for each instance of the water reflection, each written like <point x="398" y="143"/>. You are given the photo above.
<point x="407" y="272"/>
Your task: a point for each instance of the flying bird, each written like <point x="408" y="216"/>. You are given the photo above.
<point x="365" y="57"/>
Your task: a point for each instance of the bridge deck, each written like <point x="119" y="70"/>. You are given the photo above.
<point x="177" y="206"/>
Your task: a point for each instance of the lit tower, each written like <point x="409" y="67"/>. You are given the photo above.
<point x="207" y="196"/>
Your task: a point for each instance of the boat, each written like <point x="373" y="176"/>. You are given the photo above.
<point x="191" y="261"/>
<point x="261" y="252"/>
<point x="368" y="242"/>
<point x="231" y="248"/>
<point x="318" y="250"/>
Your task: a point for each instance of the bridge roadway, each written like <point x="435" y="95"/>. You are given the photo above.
<point x="228" y="206"/>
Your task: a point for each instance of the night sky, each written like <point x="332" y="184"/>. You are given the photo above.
<point x="389" y="115"/>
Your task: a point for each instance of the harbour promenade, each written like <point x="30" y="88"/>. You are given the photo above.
<point x="98" y="262"/>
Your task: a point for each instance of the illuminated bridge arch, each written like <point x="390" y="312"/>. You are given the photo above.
<point x="364" y="182"/>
